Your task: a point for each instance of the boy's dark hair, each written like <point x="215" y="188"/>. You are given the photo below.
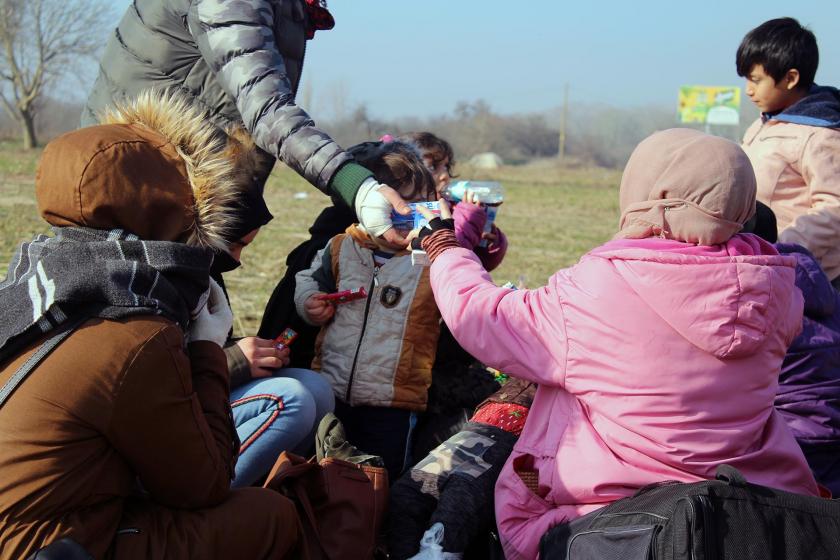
<point x="433" y="147"/>
<point x="780" y="45"/>
<point x="398" y="165"/>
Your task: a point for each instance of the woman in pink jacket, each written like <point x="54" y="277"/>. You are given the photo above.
<point x="657" y="355"/>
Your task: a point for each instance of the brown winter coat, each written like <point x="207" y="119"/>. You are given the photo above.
<point x="122" y="438"/>
<point x="115" y="400"/>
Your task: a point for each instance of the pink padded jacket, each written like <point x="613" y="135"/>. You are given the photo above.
<point x="656" y="360"/>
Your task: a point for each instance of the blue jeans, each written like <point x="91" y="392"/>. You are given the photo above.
<point x="276" y="414"/>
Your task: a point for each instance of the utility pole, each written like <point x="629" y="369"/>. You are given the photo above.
<point x="561" y="153"/>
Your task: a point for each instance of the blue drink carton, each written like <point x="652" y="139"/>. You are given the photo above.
<point x="491" y="212"/>
<point x="415" y="219"/>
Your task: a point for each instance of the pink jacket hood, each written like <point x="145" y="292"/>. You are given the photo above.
<point x="721" y="309"/>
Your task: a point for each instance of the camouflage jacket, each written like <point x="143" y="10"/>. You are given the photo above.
<point x="241" y="60"/>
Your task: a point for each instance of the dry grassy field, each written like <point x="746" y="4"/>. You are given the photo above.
<point x="551" y="216"/>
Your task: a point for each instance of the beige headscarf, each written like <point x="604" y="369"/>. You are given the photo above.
<point x="685" y="185"/>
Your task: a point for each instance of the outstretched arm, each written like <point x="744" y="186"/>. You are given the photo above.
<point x="521" y="332"/>
<point x="237" y="41"/>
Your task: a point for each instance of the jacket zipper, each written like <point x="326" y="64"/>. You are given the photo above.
<point x="702" y="504"/>
<point x="758" y="132"/>
<point x="693" y="527"/>
<point x="373" y="284"/>
<point x="708" y="541"/>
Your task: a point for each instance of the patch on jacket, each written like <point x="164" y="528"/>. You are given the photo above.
<point x="391" y="296"/>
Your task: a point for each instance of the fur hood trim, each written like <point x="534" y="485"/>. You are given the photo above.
<point x="219" y="166"/>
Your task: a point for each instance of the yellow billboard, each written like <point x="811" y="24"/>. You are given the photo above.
<point x="710" y="104"/>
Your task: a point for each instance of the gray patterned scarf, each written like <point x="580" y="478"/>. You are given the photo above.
<point x="107" y="274"/>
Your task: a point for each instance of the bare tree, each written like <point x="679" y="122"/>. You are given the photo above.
<point x="42" y="41"/>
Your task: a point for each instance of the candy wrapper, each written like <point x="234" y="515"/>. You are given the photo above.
<point x="285" y="338"/>
<point x="345" y="296"/>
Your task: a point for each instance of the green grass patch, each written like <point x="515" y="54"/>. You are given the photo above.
<point x="17" y="162"/>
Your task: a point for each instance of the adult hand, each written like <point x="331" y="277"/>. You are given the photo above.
<point x="374" y="203"/>
<point x="214" y="320"/>
<point x="391" y="236"/>
<point x="318" y="310"/>
<point x="490" y="237"/>
<point x="263" y="355"/>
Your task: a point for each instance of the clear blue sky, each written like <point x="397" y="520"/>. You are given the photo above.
<point x="418" y="58"/>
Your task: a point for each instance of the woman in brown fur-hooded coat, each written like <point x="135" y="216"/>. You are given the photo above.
<point x="121" y="438"/>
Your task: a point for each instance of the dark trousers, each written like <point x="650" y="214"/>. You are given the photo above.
<point x="380" y="431"/>
<point x="453" y="485"/>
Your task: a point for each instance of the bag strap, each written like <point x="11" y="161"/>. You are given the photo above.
<point x="20" y="375"/>
<point x="306" y="505"/>
<point x="730" y="475"/>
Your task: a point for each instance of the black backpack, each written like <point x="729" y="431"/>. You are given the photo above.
<point x="715" y="519"/>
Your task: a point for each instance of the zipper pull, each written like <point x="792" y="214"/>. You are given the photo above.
<point x="376" y="276"/>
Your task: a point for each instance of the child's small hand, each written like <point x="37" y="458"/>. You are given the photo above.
<point x="471" y="198"/>
<point x="445" y="211"/>
<point x="412" y="235"/>
<point x="318" y="310"/>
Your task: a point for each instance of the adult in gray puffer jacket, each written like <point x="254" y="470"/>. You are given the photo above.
<point x="241" y="60"/>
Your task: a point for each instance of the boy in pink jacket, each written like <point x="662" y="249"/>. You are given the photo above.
<point x="795" y="145"/>
<point x="657" y="356"/>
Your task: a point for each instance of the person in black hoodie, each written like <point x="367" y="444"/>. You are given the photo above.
<point x="280" y="310"/>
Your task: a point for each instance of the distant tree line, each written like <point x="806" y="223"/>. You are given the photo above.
<point x="597" y="135"/>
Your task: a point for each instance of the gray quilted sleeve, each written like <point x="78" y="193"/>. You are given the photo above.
<point x="236" y="38"/>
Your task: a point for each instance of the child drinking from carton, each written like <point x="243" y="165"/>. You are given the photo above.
<point x="376" y="352"/>
<point x="469" y="214"/>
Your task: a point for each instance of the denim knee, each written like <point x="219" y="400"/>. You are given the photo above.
<point x="272" y="415"/>
<point x="296" y="396"/>
<point x="318" y="387"/>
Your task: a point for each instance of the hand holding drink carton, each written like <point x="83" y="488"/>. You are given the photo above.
<point x="415" y="220"/>
<point x="489" y="194"/>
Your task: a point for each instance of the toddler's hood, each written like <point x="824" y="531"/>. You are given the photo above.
<point x="366" y="240"/>
<point x="725" y="299"/>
